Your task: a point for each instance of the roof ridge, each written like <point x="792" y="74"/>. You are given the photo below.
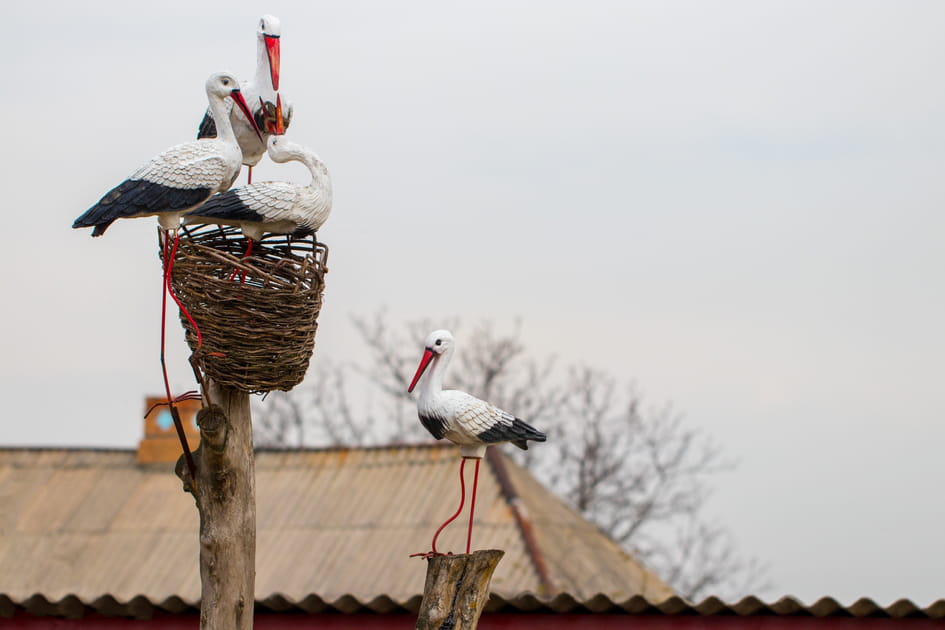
<point x="509" y="493"/>
<point x="331" y="448"/>
<point x="83" y="449"/>
<point x="427" y="445"/>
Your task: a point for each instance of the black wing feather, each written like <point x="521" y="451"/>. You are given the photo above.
<point x="434" y="424"/>
<point x="518" y="433"/>
<point x="136" y="197"/>
<point x="208" y="127"/>
<point x="229" y="206"/>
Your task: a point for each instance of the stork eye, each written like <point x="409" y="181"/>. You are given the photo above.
<point x="439" y="342"/>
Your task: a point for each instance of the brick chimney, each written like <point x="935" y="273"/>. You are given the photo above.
<point x="160" y="443"/>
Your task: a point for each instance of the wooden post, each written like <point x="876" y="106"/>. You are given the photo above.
<point x="225" y="494"/>
<point x="456" y="590"/>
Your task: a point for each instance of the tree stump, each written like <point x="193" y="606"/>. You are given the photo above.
<point x="225" y="494"/>
<point x="456" y="590"/>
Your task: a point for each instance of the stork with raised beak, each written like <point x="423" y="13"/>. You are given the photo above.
<point x="270" y="112"/>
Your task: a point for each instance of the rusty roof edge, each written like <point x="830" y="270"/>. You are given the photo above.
<point x="72" y="606"/>
<point x="494" y="458"/>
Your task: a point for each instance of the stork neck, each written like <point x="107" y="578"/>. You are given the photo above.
<point x="434" y="382"/>
<point x="320" y="177"/>
<point x="221" y="117"/>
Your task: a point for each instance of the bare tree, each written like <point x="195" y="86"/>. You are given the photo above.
<point x="644" y="477"/>
<point x="640" y="473"/>
<point x="317" y="413"/>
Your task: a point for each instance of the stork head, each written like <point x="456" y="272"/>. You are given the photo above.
<point x="435" y="345"/>
<point x="223" y="84"/>
<point x="268" y="34"/>
<point x="283" y="150"/>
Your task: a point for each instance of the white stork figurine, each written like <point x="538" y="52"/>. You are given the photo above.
<point x="174" y="182"/>
<point x="276" y="207"/>
<point x="262" y="95"/>
<point x="181" y="178"/>
<point x="465" y="420"/>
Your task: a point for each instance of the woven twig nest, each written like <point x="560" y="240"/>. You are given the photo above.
<point x="258" y="333"/>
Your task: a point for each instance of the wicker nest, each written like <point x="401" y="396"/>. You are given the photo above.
<point x="258" y="331"/>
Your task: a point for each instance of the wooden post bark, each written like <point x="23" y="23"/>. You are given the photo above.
<point x="225" y="494"/>
<point x="456" y="590"/>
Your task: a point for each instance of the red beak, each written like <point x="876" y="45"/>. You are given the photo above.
<point x="424" y="362"/>
<point x="272" y="49"/>
<point x="280" y="123"/>
<point x="237" y="96"/>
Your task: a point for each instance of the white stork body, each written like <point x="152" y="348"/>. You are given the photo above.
<point x="262" y="95"/>
<point x="276" y="207"/>
<point x="465" y="420"/>
<point x="179" y="179"/>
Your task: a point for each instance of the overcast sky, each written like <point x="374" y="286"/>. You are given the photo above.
<point x="736" y="205"/>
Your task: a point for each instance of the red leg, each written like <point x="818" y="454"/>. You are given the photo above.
<point x="165" y="289"/>
<point x="239" y="272"/>
<point x="170" y="290"/>
<point x="249" y="250"/>
<point x="462" y="501"/>
<point x="472" y="506"/>
<point x="249" y="175"/>
<point x="164" y="259"/>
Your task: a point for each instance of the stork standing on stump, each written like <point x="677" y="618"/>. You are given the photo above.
<point x="274" y="207"/>
<point x="262" y="95"/>
<point x="465" y="420"/>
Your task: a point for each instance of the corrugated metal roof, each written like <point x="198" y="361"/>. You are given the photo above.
<point x="91" y="531"/>
<point x="142" y="608"/>
<point x="92" y="528"/>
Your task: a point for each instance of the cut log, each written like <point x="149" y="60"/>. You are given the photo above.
<point x="456" y="590"/>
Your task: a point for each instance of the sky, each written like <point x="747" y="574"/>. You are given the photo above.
<point x="735" y="205"/>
